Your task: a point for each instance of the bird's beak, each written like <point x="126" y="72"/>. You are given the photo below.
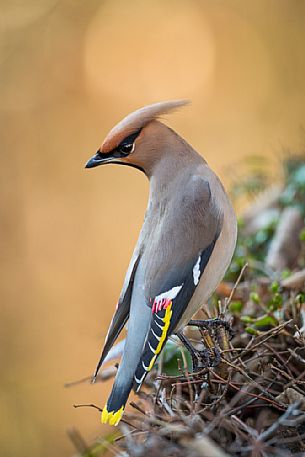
<point x="96" y="160"/>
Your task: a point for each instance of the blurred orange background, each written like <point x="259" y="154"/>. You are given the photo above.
<point x="69" y="70"/>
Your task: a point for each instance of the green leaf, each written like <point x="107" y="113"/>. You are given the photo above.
<point x="285" y="273"/>
<point x="302" y="235"/>
<point x="171" y="354"/>
<point x="274" y="286"/>
<point x="236" y="307"/>
<point x="266" y="321"/>
<point x="254" y="297"/>
<point x="247" y="319"/>
<point x="251" y="331"/>
<point x="276" y="302"/>
<point x="300" y="298"/>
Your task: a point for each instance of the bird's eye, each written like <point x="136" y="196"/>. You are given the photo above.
<point x="126" y="149"/>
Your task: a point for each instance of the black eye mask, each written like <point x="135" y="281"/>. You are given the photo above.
<point x="127" y="145"/>
<point x="123" y="149"/>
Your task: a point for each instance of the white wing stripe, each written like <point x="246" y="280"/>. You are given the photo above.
<point x="160" y="326"/>
<point x="196" y="271"/>
<point x="170" y="294"/>
<point x="151" y="348"/>
<point x="156" y="336"/>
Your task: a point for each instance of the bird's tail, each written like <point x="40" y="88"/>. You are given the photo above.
<point x="114" y="408"/>
<point x="138" y="325"/>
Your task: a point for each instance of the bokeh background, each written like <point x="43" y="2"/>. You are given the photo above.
<point x="69" y="70"/>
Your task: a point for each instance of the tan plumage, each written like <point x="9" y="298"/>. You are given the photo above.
<point x="185" y="245"/>
<point x="137" y="120"/>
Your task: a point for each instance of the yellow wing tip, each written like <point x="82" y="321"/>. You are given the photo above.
<point x="113" y="417"/>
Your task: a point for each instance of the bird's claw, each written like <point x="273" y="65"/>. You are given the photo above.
<point x="210" y="358"/>
<point x="214" y="334"/>
<point x="213" y="324"/>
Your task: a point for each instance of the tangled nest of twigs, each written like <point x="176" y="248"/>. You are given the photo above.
<point x="252" y="403"/>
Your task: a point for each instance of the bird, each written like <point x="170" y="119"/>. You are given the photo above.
<point x="184" y="248"/>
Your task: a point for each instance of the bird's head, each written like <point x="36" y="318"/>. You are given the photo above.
<point x="138" y="140"/>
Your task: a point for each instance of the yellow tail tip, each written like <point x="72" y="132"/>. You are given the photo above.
<point x="113" y="417"/>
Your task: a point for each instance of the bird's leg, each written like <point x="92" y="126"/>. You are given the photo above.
<point x="214" y="335"/>
<point x="211" y="352"/>
<point x="203" y="356"/>
<point x="192" y="351"/>
<point x="212" y="331"/>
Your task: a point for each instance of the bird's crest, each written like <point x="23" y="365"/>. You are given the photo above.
<point x="137" y="120"/>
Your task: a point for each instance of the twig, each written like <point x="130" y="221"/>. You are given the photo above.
<point x="228" y="301"/>
<point x="137" y="407"/>
<point x="284" y="420"/>
<point x="269" y="334"/>
<point x="89" y="405"/>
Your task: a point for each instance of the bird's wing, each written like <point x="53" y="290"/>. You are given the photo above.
<point x="176" y="286"/>
<point x="121" y="313"/>
<point x="167" y="310"/>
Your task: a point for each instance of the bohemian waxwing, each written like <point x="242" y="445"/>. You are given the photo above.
<point x="184" y="248"/>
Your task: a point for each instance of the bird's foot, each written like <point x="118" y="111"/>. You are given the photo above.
<point x="216" y="334"/>
<point x="206" y="358"/>
<point x="213" y="325"/>
<point x="210" y="357"/>
<point x="191" y="350"/>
